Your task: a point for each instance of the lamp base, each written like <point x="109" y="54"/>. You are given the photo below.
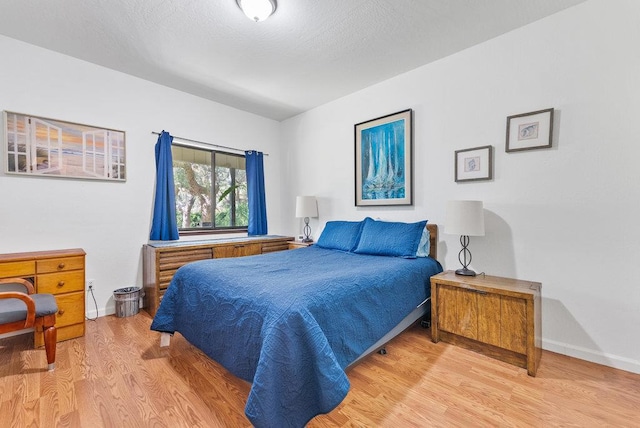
<point x="465" y="272"/>
<point x="307" y="231"/>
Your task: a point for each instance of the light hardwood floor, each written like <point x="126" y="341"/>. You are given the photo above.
<point x="117" y="376"/>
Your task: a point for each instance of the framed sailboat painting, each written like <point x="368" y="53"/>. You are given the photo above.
<point x="383" y="160"/>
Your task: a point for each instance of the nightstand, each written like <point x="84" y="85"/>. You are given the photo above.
<point x="299" y="244"/>
<point x="498" y="317"/>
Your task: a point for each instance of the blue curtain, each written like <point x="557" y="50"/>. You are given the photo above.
<point x="255" y="193"/>
<point x="164" y="226"/>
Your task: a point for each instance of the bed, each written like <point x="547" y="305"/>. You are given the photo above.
<point x="293" y="322"/>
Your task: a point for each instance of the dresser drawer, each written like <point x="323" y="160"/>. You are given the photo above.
<point x="69" y="319"/>
<point x="62" y="264"/>
<point x="19" y="269"/>
<point x="175" y="259"/>
<point x="237" y="250"/>
<point x="70" y="309"/>
<point x="58" y="283"/>
<point x="64" y="333"/>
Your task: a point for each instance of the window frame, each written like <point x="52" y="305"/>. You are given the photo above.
<point x="213" y="230"/>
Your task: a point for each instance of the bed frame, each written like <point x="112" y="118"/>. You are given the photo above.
<point x="420" y="311"/>
<point x="417" y="314"/>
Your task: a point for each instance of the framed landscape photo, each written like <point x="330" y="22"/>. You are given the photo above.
<point x="383" y="160"/>
<point x="530" y="131"/>
<point x="43" y="147"/>
<point x="474" y="164"/>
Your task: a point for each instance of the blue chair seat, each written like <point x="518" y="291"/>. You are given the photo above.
<point x="12" y="310"/>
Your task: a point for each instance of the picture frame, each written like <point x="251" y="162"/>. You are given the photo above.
<point x="384" y="160"/>
<point x="529" y="131"/>
<point x="475" y="164"/>
<point x="44" y="147"/>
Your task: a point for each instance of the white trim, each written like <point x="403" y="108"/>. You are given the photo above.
<point x="16" y="333"/>
<point x="597" y="357"/>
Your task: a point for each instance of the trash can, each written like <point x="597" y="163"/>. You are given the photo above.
<point x="127" y="301"/>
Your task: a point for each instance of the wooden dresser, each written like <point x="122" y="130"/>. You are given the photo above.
<point x="499" y="317"/>
<point x="162" y="260"/>
<point x="294" y="245"/>
<point x="58" y="272"/>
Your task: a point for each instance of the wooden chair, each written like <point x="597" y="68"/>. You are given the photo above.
<point x="20" y="310"/>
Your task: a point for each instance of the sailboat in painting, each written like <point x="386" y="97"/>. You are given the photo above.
<point x="384" y="157"/>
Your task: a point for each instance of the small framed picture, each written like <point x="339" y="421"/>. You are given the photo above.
<point x="530" y="131"/>
<point x="474" y="164"/>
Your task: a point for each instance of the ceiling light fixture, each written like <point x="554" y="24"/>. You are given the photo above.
<point x="257" y="10"/>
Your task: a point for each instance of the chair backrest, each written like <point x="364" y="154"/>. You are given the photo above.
<point x="13" y="286"/>
<point x="13" y="315"/>
<point x="20" y="285"/>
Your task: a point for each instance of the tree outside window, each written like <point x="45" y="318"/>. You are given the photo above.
<point x="209" y="198"/>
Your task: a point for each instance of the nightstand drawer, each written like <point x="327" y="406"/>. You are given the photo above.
<point x="58" y="283"/>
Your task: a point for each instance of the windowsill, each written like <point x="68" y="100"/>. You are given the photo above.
<point x="217" y="240"/>
<point x="211" y="232"/>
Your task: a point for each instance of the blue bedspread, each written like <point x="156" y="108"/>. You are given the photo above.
<point x="291" y="321"/>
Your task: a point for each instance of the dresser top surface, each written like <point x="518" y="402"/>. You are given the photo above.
<point x="488" y="282"/>
<point x="172" y="244"/>
<point x="38" y="255"/>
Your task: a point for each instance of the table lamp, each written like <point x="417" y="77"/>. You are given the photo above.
<point x="464" y="218"/>
<point x="306" y="206"/>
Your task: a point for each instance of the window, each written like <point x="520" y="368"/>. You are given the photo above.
<point x="209" y="198"/>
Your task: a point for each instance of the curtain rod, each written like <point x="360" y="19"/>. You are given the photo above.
<point x="205" y="143"/>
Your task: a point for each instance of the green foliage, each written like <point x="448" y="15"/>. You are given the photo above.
<point x="230" y="189"/>
<point x="195" y="219"/>
<point x="197" y="201"/>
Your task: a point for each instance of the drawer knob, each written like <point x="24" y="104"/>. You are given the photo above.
<point x="61" y="266"/>
<point x="61" y="312"/>
<point x="60" y="284"/>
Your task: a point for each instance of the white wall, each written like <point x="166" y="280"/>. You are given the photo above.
<point x="109" y="220"/>
<point x="565" y="216"/>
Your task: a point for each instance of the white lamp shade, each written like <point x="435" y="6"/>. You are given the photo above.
<point x="257" y="10"/>
<point x="464" y="218"/>
<point x="306" y="206"/>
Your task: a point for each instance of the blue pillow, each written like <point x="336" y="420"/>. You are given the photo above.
<point x="385" y="238"/>
<point x="340" y="235"/>
<point x="424" y="247"/>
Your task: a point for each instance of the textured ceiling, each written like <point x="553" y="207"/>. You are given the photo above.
<point x="308" y="53"/>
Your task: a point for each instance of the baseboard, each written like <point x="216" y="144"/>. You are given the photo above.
<point x="102" y="312"/>
<point x="92" y="311"/>
<point x="597" y="357"/>
<point x="16" y="333"/>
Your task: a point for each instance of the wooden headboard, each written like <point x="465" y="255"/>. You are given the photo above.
<point x="433" y="240"/>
